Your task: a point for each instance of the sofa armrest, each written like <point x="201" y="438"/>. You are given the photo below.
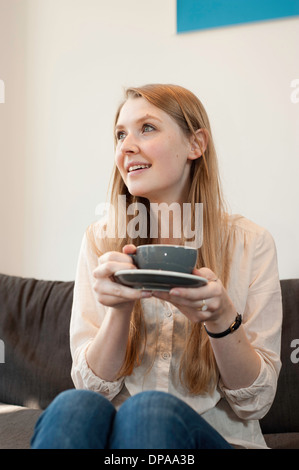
<point x="34" y="328"/>
<point x="283" y="416"/>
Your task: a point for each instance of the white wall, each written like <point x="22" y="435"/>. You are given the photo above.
<point x="65" y="63"/>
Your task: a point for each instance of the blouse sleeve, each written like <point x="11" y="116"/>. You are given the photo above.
<point x="262" y="319"/>
<point x="86" y="319"/>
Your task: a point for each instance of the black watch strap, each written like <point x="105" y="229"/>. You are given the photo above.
<point x="233" y="327"/>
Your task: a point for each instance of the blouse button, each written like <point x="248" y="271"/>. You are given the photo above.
<point x="165" y="355"/>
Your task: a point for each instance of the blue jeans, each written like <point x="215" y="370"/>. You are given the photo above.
<point x="82" y="419"/>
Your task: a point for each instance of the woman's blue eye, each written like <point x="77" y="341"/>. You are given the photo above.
<point x="120" y="135"/>
<point x="148" y="128"/>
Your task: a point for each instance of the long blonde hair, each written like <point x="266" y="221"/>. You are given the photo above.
<point x="198" y="369"/>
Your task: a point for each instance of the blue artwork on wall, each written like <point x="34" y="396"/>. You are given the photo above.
<point x="203" y="14"/>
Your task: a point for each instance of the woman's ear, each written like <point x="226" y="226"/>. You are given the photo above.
<point x="199" y="143"/>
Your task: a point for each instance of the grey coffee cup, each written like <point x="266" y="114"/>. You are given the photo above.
<point x="176" y="258"/>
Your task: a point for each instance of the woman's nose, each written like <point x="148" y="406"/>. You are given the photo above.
<point x="129" y="144"/>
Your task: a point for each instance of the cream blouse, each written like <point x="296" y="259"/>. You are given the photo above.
<point x="255" y="291"/>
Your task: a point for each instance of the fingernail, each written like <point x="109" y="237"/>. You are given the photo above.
<point x="174" y="292"/>
<point x="145" y="294"/>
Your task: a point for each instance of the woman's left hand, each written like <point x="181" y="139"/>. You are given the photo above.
<point x="210" y="303"/>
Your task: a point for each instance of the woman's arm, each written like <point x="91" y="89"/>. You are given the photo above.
<point x="100" y="320"/>
<point x="248" y="359"/>
<point x="237" y="361"/>
<point x="106" y="353"/>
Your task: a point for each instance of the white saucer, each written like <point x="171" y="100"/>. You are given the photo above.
<point x="152" y="279"/>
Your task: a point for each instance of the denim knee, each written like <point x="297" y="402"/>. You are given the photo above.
<point x="74" y="402"/>
<point x="75" y="419"/>
<point x="146" y="421"/>
<point x="159" y="420"/>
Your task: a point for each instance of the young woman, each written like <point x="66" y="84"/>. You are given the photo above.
<point x="190" y="368"/>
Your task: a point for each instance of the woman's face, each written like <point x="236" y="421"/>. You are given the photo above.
<point x="152" y="154"/>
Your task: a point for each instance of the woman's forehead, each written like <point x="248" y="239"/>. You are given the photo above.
<point x="140" y="109"/>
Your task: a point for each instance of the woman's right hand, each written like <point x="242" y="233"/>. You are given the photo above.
<point x="109" y="292"/>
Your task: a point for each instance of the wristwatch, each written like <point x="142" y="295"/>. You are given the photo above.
<point x="233" y="327"/>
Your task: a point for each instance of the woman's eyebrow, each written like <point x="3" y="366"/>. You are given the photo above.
<point x="138" y="121"/>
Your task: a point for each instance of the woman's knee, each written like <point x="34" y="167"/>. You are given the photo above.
<point x="75" y="402"/>
<point x="158" y="420"/>
<point x="72" y="415"/>
<point x="146" y="421"/>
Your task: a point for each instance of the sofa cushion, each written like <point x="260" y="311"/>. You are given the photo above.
<point x="284" y="440"/>
<point x="283" y="416"/>
<point x="16" y="426"/>
<point x="34" y="327"/>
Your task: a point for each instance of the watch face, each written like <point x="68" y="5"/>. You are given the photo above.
<point x="236" y="323"/>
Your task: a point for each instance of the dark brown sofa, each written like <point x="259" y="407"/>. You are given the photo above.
<point x="34" y="330"/>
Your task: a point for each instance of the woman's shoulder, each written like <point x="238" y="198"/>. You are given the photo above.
<point x="244" y="228"/>
<point x="94" y="236"/>
<point x="241" y="223"/>
<point x="101" y="239"/>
